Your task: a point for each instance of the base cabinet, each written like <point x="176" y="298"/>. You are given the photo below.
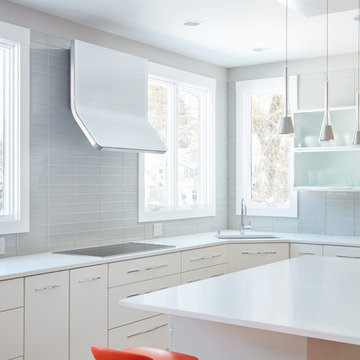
<point x="152" y="332"/>
<point x="245" y="256"/>
<point x="305" y="249"/>
<point x="47" y="316"/>
<point x="11" y="333"/>
<point x="88" y="310"/>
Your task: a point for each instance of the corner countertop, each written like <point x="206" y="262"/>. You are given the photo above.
<point x="19" y="266"/>
<point x="309" y="296"/>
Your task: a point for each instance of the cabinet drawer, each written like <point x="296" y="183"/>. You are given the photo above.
<point x="305" y="249"/>
<point x="12" y="294"/>
<point x="119" y="315"/>
<point x="203" y="273"/>
<point x="11" y="333"/>
<point x="153" y="332"/>
<point x="204" y="257"/>
<point x="244" y="256"/>
<point x="130" y="271"/>
<point x="342" y="251"/>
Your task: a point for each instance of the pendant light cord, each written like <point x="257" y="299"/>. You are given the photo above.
<point x="358" y="64"/>
<point x="327" y="40"/>
<point x="286" y="33"/>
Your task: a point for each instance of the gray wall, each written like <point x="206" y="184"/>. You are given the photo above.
<point x="80" y="196"/>
<point x="335" y="213"/>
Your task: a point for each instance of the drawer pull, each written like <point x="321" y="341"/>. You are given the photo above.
<point x="156" y="267"/>
<point x="217" y="275"/>
<point x="45" y="288"/>
<point x="146" y="331"/>
<point x="133" y="271"/>
<point x="132" y="295"/>
<point x="348" y="257"/>
<point x="206" y="257"/>
<point x="259" y="253"/>
<point x="306" y="253"/>
<point x="191" y="281"/>
<point x="89" y="279"/>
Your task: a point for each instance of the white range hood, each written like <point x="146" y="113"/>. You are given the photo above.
<point x="109" y="99"/>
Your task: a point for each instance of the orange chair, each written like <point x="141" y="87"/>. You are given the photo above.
<point x="138" y="353"/>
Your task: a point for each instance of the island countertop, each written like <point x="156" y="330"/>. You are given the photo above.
<point x="315" y="297"/>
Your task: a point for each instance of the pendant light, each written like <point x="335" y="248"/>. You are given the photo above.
<point x="356" y="138"/>
<point x="326" y="132"/>
<point x="286" y="124"/>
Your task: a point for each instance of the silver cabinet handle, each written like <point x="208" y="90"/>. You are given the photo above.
<point x="348" y="256"/>
<point x="259" y="253"/>
<point x="206" y="257"/>
<point x="133" y="271"/>
<point x="306" y="253"/>
<point x="132" y="295"/>
<point x="49" y="287"/>
<point x="146" y="331"/>
<point x="191" y="281"/>
<point x="163" y="288"/>
<point x="90" y="279"/>
<point x="217" y="275"/>
<point x="156" y="267"/>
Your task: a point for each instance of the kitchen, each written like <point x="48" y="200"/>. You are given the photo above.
<point x="83" y="197"/>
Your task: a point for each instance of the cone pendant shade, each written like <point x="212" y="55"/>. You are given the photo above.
<point x="286" y="124"/>
<point x="326" y="132"/>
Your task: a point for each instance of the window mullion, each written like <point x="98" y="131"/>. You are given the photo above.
<point x="175" y="149"/>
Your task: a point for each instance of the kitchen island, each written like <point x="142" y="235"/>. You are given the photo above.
<point x="302" y="308"/>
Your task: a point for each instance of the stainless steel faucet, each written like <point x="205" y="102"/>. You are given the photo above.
<point x="243" y="227"/>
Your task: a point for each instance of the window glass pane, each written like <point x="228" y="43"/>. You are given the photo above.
<point x="188" y="147"/>
<point x="156" y="166"/>
<point x="1" y="131"/>
<point x="270" y="153"/>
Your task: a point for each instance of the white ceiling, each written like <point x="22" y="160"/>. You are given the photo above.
<point x="230" y="30"/>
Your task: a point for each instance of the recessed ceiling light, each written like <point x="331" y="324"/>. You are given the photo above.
<point x="260" y="49"/>
<point x="192" y="23"/>
<point x="357" y="18"/>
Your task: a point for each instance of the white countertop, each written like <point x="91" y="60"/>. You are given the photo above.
<point x="19" y="266"/>
<point x="309" y="296"/>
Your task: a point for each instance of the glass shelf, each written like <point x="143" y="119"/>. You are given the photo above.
<point x="329" y="166"/>
<point x="308" y="124"/>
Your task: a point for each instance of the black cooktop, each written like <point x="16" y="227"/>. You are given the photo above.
<point x="116" y="249"/>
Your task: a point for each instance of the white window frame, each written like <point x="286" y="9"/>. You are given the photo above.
<point x="244" y="90"/>
<point x="186" y="79"/>
<point x="17" y="39"/>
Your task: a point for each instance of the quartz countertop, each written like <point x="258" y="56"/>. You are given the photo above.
<point x="309" y="296"/>
<point x="19" y="266"/>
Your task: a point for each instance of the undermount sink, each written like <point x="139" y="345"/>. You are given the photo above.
<point x="246" y="236"/>
<point x="116" y="249"/>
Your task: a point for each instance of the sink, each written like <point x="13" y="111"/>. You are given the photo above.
<point x="116" y="249"/>
<point x="246" y="236"/>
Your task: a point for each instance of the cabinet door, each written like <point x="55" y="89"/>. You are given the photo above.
<point x="349" y="252"/>
<point x="11" y="333"/>
<point x="305" y="249"/>
<point x="203" y="273"/>
<point x="88" y="310"/>
<point x="47" y="316"/>
<point x="244" y="256"/>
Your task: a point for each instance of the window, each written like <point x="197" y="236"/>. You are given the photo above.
<point x="180" y="183"/>
<point x="265" y="158"/>
<point x="14" y="122"/>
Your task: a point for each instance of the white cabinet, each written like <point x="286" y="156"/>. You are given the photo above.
<point x="11" y="333"/>
<point x="305" y="249"/>
<point x="152" y="332"/>
<point x="244" y="256"/>
<point x="12" y="294"/>
<point x="342" y="251"/>
<point x="204" y="257"/>
<point x="130" y="271"/>
<point x="119" y="315"/>
<point x="203" y="273"/>
<point x="88" y="310"/>
<point x="47" y="316"/>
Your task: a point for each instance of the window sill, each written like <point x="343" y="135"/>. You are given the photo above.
<point x="150" y="216"/>
<point x="271" y="212"/>
<point x="10" y="226"/>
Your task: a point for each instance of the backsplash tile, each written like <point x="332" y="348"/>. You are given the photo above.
<point x="80" y="196"/>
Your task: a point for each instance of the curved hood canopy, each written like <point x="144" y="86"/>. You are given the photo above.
<point x="109" y="99"/>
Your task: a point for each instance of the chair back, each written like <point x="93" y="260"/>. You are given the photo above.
<point x="101" y="353"/>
